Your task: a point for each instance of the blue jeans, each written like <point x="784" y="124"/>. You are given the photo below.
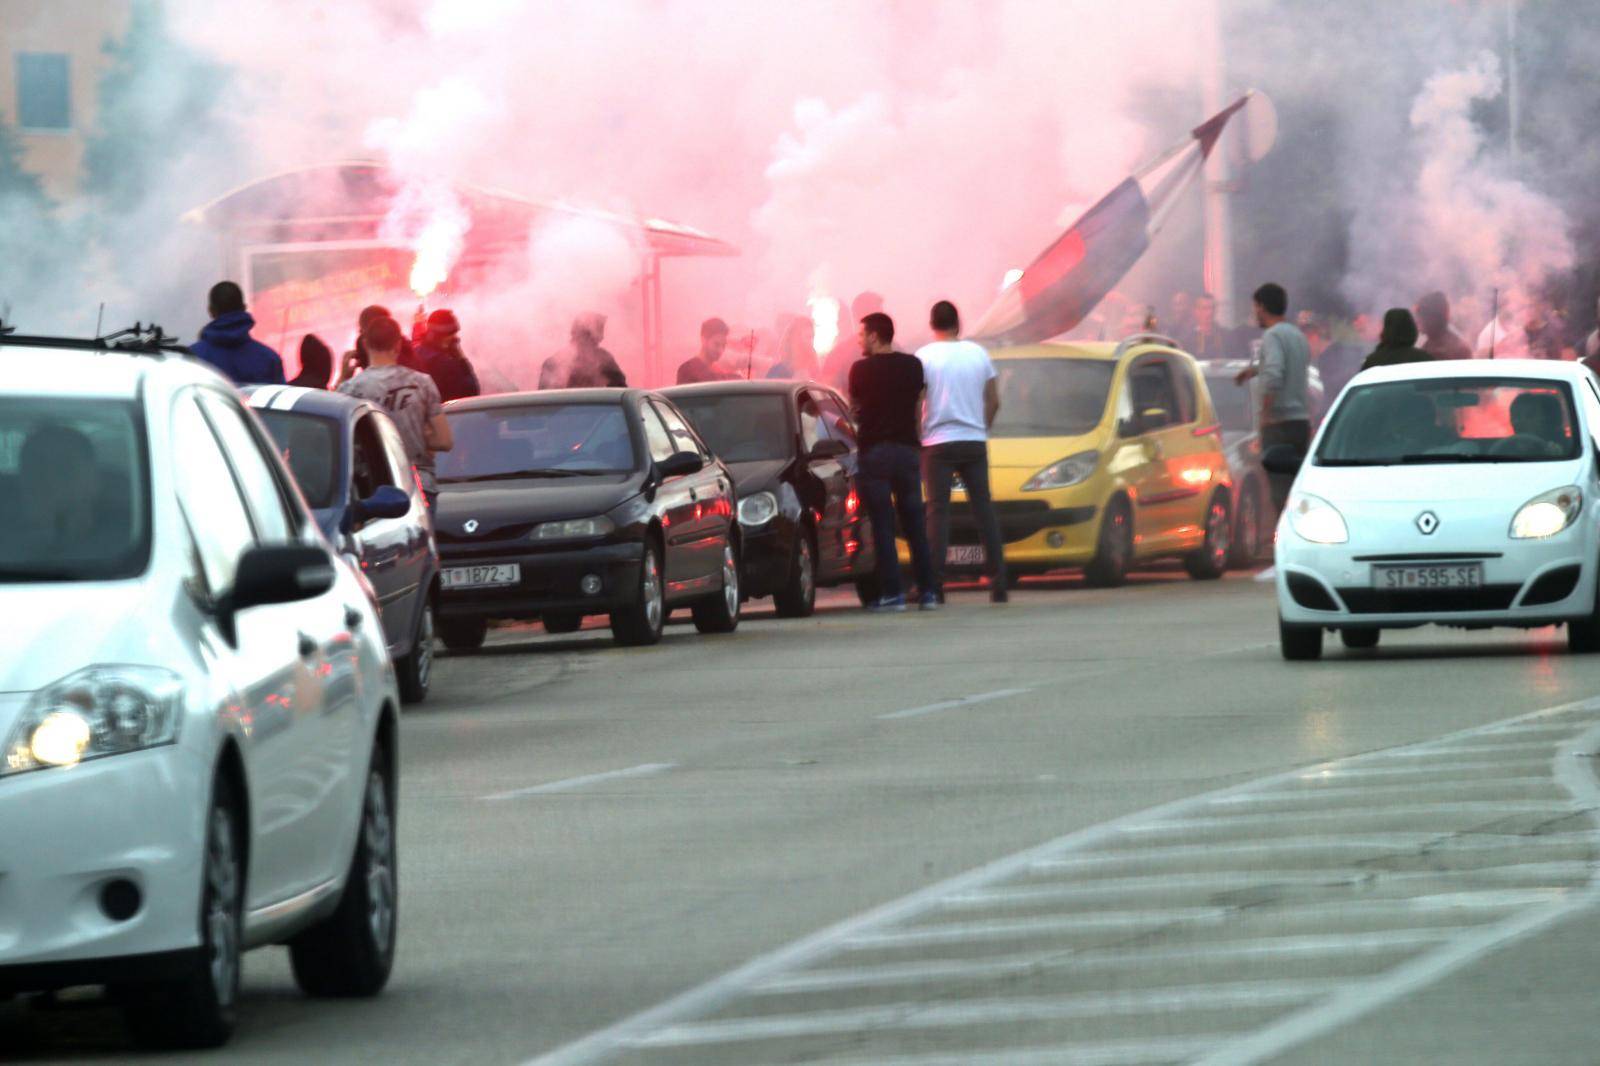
<point x="890" y="483"/>
<point x="940" y="464"/>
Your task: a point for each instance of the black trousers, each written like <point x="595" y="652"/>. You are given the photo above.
<point x="969" y="459"/>
<point x="1296" y="434"/>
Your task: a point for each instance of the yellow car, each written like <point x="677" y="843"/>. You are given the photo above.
<point x="1102" y="455"/>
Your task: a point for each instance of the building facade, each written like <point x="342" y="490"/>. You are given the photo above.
<point x="52" y="55"/>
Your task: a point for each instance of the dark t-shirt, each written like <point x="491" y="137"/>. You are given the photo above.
<point x="885" y="391"/>
<point x="693" y="371"/>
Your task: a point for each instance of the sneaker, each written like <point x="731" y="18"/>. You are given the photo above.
<point x="888" y="605"/>
<point x="999" y="595"/>
<point x="929" y="602"/>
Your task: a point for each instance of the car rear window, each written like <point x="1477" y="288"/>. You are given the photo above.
<point x="1452" y="420"/>
<point x="543" y="440"/>
<point x="1051" y="397"/>
<point x="74" y="490"/>
<point x="1232" y="403"/>
<point x="743" y="428"/>
<point x="310" y="446"/>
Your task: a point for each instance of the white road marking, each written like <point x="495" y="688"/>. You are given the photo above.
<point x="648" y="769"/>
<point x="1267" y="575"/>
<point x="1235" y="995"/>
<point x="947" y="705"/>
<point x="1458" y="914"/>
<point x="1098" y="1053"/>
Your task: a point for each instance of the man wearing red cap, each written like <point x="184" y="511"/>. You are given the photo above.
<point x="440" y="357"/>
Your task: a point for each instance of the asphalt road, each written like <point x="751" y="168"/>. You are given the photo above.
<point x="1090" y="826"/>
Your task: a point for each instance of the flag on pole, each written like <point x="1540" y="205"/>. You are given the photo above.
<point x="1059" y="289"/>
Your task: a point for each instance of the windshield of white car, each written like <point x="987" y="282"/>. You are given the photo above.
<point x="740" y="428"/>
<point x="1051" y="397"/>
<point x="1452" y="420"/>
<point x="74" y="490"/>
<point x="310" y="446"/>
<point x="543" y="440"/>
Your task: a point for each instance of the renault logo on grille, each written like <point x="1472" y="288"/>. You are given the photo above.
<point x="471" y="525"/>
<point x="1427" y="521"/>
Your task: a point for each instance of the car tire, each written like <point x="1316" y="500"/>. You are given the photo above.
<point x="1210" y="560"/>
<point x="639" y="624"/>
<point x="1583" y="634"/>
<point x="1360" y="638"/>
<point x="200" y="1009"/>
<point x="1114" y="550"/>
<point x="414" y="671"/>
<point x="463" y="634"/>
<point x="720" y="613"/>
<point x="561" y="622"/>
<point x="351" y="952"/>
<point x="798" y="596"/>
<point x="1299" y="643"/>
<point x="867" y="589"/>
<point x="1247" y="538"/>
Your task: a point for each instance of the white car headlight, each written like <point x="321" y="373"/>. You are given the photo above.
<point x="98" y="711"/>
<point x="1069" y="471"/>
<point x="757" y="509"/>
<point x="1547" y="514"/>
<point x="574" y="529"/>
<point x="1314" y="519"/>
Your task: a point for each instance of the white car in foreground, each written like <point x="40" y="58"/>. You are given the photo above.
<point x="196" y="705"/>
<point x="1461" y="493"/>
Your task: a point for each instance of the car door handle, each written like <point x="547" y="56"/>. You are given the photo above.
<point x="352" y="618"/>
<point x="308" y="647"/>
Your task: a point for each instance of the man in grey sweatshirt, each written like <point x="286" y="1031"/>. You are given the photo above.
<point x="1283" y="369"/>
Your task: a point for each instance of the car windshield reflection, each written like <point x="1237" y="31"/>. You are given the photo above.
<point x="1051" y="397"/>
<point x="543" y="441"/>
<point x="1452" y="420"/>
<point x="740" y="429"/>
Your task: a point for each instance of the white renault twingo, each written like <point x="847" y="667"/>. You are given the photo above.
<point x="1455" y="493"/>
<point x="197" y="710"/>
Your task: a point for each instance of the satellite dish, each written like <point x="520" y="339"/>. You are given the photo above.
<point x="1258" y="130"/>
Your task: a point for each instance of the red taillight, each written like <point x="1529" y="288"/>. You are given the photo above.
<point x="852" y="502"/>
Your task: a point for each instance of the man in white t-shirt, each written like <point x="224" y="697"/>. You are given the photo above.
<point x="958" y="409"/>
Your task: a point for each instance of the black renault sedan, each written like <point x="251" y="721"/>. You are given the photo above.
<point x="791" y="446"/>
<point x="573" y="502"/>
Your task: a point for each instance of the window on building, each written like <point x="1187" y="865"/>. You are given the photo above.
<point x="44" y="93"/>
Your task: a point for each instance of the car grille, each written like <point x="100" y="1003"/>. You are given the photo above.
<point x="1428" y="601"/>
<point x="483" y="536"/>
<point x="1019" y="520"/>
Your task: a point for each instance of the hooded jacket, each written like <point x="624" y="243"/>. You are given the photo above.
<point x="226" y="344"/>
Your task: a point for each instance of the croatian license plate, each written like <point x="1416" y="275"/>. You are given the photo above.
<point x="1422" y="578"/>
<point x="964" y="555"/>
<point x="477" y="577"/>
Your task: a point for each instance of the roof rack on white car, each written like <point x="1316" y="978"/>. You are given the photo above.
<point x="138" y="339"/>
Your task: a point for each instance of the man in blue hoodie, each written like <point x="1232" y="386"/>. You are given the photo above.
<point x="226" y="343"/>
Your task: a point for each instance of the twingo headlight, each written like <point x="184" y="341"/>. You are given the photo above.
<point x="757" y="509"/>
<point x="98" y="711"/>
<point x="1547" y="514"/>
<point x="1314" y="519"/>
<point x="1070" y="471"/>
<point x="574" y="529"/>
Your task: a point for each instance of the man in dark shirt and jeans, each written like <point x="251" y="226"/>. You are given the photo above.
<point x="885" y="391"/>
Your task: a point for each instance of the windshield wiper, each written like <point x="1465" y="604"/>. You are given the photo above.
<point x="1433" y="457"/>
<point x="517" y="475"/>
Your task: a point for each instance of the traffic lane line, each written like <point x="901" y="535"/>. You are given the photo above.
<point x="570" y="784"/>
<point x="949" y="705"/>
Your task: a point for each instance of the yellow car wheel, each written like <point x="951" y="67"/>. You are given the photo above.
<point x="1114" y="550"/>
